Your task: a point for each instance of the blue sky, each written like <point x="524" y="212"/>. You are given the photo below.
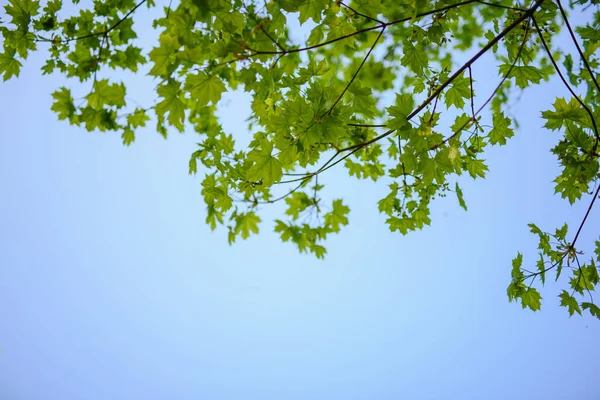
<point x="112" y="286"/>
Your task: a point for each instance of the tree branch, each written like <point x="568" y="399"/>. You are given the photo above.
<point x="328" y="112"/>
<point x="107" y="31"/>
<point x="564" y="81"/>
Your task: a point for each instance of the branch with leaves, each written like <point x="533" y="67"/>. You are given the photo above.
<point x="361" y="85"/>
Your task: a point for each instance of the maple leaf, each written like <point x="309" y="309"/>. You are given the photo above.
<point x="563" y="111"/>
<point x="311" y="9"/>
<point x="594" y="309"/>
<point x="459" y="90"/>
<point x="171" y="103"/>
<point x="566" y="300"/>
<point x="400" y="110"/>
<point x="501" y="130"/>
<point x="337" y="216"/>
<point x="138" y="118"/>
<point x="246" y="224"/>
<point x="107" y="94"/>
<point x="204" y="88"/>
<point x="531" y="298"/>
<point x="63" y="104"/>
<point x="163" y="55"/>
<point x="266" y="166"/>
<point x="523" y="74"/>
<point x="415" y="57"/>
<point x="9" y="65"/>
<point x="459" y="196"/>
<point x="128" y="137"/>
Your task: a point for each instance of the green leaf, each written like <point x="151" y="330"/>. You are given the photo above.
<point x="517" y="262"/>
<point x="523" y="74"/>
<point x="311" y="9"/>
<point x="531" y="298"/>
<point x="569" y="188"/>
<point x="561" y="234"/>
<point x="388" y="204"/>
<point x="476" y="168"/>
<point x="298" y="202"/>
<point x="459" y="90"/>
<point x="106" y="94"/>
<point x="594" y="309"/>
<point x="162" y="56"/>
<point x="63" y="103"/>
<point x="193" y="163"/>
<point x="461" y="122"/>
<point x="9" y="65"/>
<point x="541" y="266"/>
<point x="415" y="57"/>
<point x="589" y="276"/>
<point x="232" y="22"/>
<point x="316" y="36"/>
<point x="204" y="88"/>
<point x="130" y="59"/>
<point x="566" y="300"/>
<point x="138" y="118"/>
<point x="371" y="8"/>
<point x="128" y="137"/>
<point x="501" y="130"/>
<point x="21" y="11"/>
<point x="515" y="290"/>
<point x="266" y="167"/>
<point x="563" y="112"/>
<point x="338" y="216"/>
<point x="399" y="112"/>
<point x="318" y="250"/>
<point x="48" y="68"/>
<point x="403" y="225"/>
<point x="286" y="231"/>
<point x="343" y="29"/>
<point x="171" y="104"/>
<point x="459" y="196"/>
<point x="246" y="224"/>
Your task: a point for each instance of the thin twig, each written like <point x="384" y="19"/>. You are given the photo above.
<point x="107" y="31"/>
<point x="491" y="96"/>
<point x="366" y="125"/>
<point x="372" y="28"/>
<point x="569" y="88"/>
<point x="273" y="40"/>
<point x="358" y="13"/>
<point x="471" y="87"/>
<point x="583" y="58"/>
<point x="328" y="112"/>
<point x="587" y="213"/>
<point x="501" y="6"/>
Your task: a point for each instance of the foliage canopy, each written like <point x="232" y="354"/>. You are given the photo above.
<point x="369" y="87"/>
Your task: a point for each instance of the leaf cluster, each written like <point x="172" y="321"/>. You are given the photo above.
<point x="377" y="87"/>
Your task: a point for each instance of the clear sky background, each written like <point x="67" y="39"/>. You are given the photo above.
<point x="112" y="286"/>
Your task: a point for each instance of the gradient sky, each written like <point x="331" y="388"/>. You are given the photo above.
<point x="112" y="286"/>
